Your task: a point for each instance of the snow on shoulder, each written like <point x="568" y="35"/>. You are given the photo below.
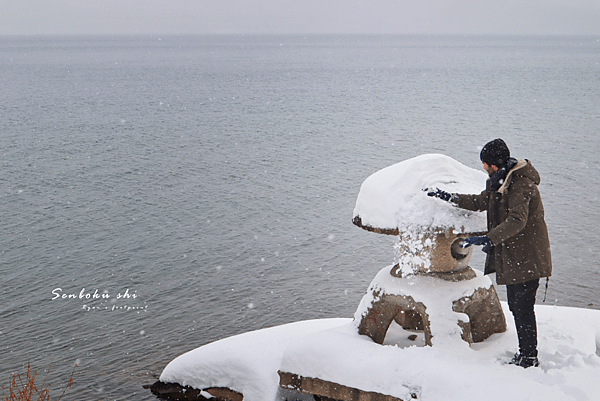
<point x="394" y="198"/>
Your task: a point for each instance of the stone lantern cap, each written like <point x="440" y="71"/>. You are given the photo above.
<point x="393" y="200"/>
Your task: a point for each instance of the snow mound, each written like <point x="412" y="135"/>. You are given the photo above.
<point x="394" y="198"/>
<point x="246" y="363"/>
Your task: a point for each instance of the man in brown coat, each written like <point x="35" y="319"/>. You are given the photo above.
<point x="517" y="243"/>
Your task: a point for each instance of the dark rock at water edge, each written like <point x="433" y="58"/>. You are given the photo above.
<point x="177" y="392"/>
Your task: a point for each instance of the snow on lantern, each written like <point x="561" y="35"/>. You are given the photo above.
<point x="431" y="288"/>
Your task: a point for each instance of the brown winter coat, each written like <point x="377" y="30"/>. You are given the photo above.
<point x="516" y="226"/>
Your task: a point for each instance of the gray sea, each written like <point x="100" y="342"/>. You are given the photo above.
<point x="158" y="193"/>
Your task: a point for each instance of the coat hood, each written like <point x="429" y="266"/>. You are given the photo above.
<point x="523" y="168"/>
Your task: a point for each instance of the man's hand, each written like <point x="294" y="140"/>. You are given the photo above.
<point x="438" y="193"/>
<point x="485" y="241"/>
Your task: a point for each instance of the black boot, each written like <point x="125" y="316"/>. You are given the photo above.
<point x="515" y="359"/>
<point x="524" y="361"/>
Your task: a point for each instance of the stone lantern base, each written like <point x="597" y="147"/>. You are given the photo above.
<point x="393" y="299"/>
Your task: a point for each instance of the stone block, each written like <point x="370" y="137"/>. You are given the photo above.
<point x="327" y="390"/>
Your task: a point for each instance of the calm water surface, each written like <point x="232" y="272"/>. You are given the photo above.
<point x="203" y="187"/>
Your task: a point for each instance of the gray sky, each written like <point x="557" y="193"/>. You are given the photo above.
<point x="299" y="16"/>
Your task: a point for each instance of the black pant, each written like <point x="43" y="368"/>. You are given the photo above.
<point x="521" y="298"/>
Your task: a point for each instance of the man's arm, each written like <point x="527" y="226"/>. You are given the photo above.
<point x="471" y="202"/>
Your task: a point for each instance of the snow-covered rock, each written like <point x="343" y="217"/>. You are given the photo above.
<point x="331" y="349"/>
<point x="246" y="363"/>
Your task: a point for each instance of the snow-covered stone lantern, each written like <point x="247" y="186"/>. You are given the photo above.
<point x="431" y="287"/>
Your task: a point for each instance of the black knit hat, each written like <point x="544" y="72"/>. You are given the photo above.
<point x="495" y="153"/>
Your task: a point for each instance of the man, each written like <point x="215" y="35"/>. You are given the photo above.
<point x="517" y="243"/>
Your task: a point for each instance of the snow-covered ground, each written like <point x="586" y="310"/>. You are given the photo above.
<point x="331" y="349"/>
